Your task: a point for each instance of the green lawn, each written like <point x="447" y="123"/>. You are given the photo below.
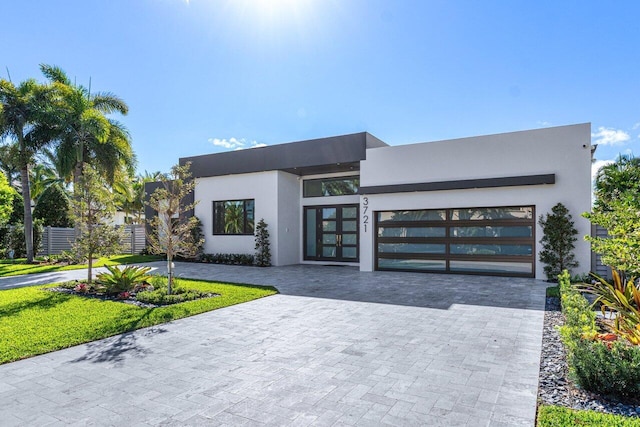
<point x="15" y="267"/>
<point x="35" y="321"/>
<point x="557" y="416"/>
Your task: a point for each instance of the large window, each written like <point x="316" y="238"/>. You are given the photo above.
<point x="233" y="217"/>
<point x="497" y="241"/>
<point x="341" y="186"/>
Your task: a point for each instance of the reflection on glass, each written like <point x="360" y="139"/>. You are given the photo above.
<point x="349" y="253"/>
<point x="328" y="213"/>
<point x="421" y="215"/>
<point x="341" y="186"/>
<point x="329" y="239"/>
<point x="412" y="264"/>
<point x="481" y="249"/>
<point x="412" y="248"/>
<point x="329" y="251"/>
<point x="412" y="231"/>
<point x="349" y="225"/>
<point x="328" y="226"/>
<point x="492" y="213"/>
<point x="488" y="231"/>
<point x="349" y="239"/>
<point x="311" y="232"/>
<point x="491" y="267"/>
<point x="349" y="213"/>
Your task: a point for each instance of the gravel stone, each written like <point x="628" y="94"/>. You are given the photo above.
<point x="554" y="385"/>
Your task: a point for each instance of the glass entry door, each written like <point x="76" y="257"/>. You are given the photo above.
<point x="331" y="233"/>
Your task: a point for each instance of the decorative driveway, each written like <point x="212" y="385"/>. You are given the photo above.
<point x="335" y="347"/>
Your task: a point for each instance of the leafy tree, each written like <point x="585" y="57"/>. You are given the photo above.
<point x="620" y="179"/>
<point x="88" y="135"/>
<point x="93" y="209"/>
<point x="621" y="249"/>
<point x="7" y="193"/>
<point x="53" y="207"/>
<point x="26" y="117"/>
<point x="17" y="216"/>
<point x="263" y="250"/>
<point x="171" y="231"/>
<point x="559" y="236"/>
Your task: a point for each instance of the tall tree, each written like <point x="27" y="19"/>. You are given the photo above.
<point x="88" y="135"/>
<point x="559" y="236"/>
<point x="171" y="231"/>
<point x="26" y="117"/>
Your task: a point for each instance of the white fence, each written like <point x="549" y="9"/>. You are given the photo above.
<point x="55" y="240"/>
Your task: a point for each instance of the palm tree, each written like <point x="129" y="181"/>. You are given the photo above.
<point x="88" y="135"/>
<point x="616" y="179"/>
<point x="26" y="117"/>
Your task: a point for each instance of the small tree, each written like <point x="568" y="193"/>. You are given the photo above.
<point x="263" y="250"/>
<point x="171" y="231"/>
<point x="621" y="249"/>
<point x="53" y="207"/>
<point x="93" y="209"/>
<point x="559" y="236"/>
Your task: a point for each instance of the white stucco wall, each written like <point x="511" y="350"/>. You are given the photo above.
<point x="289" y="232"/>
<point x="564" y="151"/>
<point x="262" y="187"/>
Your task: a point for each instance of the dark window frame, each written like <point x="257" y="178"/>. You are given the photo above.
<point x="248" y="228"/>
<point x="322" y="181"/>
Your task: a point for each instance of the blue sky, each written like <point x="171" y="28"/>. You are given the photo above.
<point x="203" y="76"/>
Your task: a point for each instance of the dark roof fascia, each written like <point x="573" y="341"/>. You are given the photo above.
<point x="294" y="157"/>
<point x="464" y="184"/>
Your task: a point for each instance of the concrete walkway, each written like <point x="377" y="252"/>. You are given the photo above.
<point x="336" y="347"/>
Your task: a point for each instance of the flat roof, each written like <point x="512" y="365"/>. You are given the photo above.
<point x="324" y="155"/>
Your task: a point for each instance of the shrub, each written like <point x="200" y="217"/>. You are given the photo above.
<point x="15" y="239"/>
<point x="119" y="280"/>
<point x="53" y="207"/>
<point x="559" y="236"/>
<point x="610" y="368"/>
<point x="263" y="250"/>
<point x="160" y="296"/>
<point x="230" y="259"/>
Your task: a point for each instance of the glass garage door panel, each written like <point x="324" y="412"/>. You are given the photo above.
<point x="487" y="240"/>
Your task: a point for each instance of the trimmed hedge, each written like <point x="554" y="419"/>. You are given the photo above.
<point x="611" y="369"/>
<point x="230" y="259"/>
<point x="557" y="416"/>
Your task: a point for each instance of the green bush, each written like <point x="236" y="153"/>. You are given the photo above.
<point x="604" y="368"/>
<point x="230" y="259"/>
<point x="15" y="239"/>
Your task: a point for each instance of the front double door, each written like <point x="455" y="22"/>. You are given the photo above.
<point x="331" y="233"/>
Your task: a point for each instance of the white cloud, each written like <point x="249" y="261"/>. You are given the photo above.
<point x="595" y="167"/>
<point x="544" y="123"/>
<point x="235" y="143"/>
<point x="610" y="136"/>
<point x="636" y="126"/>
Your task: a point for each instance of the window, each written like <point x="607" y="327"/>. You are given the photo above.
<point x="341" y="186"/>
<point x="233" y="217"/>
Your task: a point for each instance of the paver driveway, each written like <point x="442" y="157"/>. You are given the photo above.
<point x="336" y="347"/>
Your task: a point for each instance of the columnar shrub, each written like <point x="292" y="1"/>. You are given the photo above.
<point x="263" y="250"/>
<point x="559" y="236"/>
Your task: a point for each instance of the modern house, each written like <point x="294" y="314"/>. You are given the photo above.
<point x="467" y="205"/>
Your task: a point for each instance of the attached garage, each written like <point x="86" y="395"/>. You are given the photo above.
<point x="494" y="240"/>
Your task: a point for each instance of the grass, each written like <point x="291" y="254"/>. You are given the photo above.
<point x="553" y="291"/>
<point x="15" y="267"/>
<point x="35" y="321"/>
<point x="557" y="416"/>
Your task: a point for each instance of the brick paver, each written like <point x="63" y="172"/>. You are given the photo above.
<point x="336" y="347"/>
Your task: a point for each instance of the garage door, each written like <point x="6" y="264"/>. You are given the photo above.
<point x="491" y="241"/>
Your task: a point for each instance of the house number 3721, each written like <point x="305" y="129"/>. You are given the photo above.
<point x="365" y="215"/>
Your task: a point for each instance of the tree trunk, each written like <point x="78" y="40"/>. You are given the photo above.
<point x="169" y="274"/>
<point x="26" y="195"/>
